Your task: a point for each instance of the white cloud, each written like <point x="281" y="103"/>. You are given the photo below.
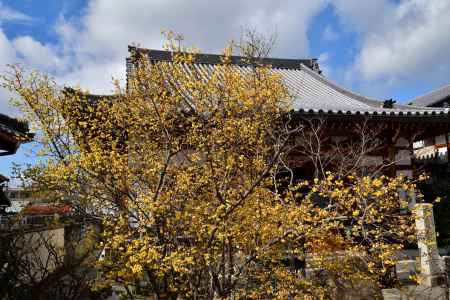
<point x="109" y="26"/>
<point x="38" y="55"/>
<point x="209" y="25"/>
<point x="364" y="16"/>
<point x="324" y="64"/>
<point x="400" y="42"/>
<point x="329" y="34"/>
<point x="7" y="52"/>
<point x="323" y="57"/>
<point x="7" y="55"/>
<point x="97" y="42"/>
<point x="10" y="14"/>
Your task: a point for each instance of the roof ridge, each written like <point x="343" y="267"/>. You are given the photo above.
<point x="207" y="58"/>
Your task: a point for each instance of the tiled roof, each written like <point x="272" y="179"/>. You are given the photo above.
<point x="313" y="93"/>
<point x="433" y="98"/>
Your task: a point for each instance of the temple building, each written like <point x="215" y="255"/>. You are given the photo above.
<point x="13" y="133"/>
<point x="355" y="131"/>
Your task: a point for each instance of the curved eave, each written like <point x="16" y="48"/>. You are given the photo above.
<point x="374" y="106"/>
<point x="340" y="89"/>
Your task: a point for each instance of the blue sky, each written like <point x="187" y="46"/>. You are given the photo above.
<point x="380" y="48"/>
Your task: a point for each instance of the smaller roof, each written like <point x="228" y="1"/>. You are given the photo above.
<point x="433" y="98"/>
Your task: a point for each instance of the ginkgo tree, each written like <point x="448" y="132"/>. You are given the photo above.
<point x="182" y="169"/>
